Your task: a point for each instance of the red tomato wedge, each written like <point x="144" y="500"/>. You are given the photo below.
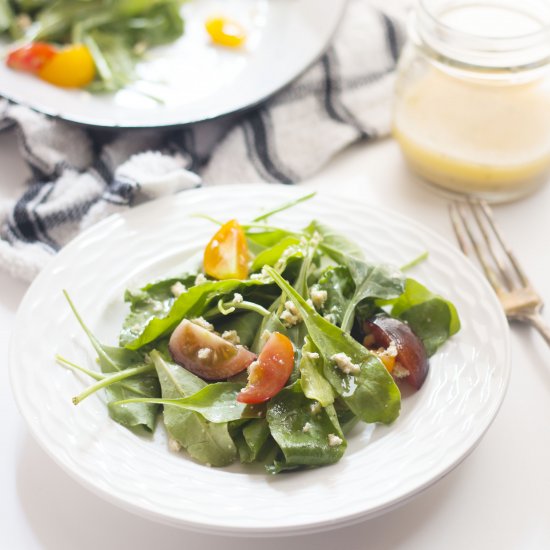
<point x="226" y="255"/>
<point x="32" y="57"/>
<point x="268" y="375"/>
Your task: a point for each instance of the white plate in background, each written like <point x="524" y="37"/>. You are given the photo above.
<point x="196" y="80"/>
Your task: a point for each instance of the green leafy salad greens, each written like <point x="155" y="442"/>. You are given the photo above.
<point x="330" y="288"/>
<point x="117" y="32"/>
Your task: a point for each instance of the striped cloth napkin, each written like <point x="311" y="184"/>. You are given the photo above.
<point x="80" y="176"/>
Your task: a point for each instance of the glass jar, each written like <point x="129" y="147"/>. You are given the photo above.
<point x="472" y="106"/>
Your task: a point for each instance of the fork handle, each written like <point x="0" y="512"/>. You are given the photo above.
<point x="540" y="324"/>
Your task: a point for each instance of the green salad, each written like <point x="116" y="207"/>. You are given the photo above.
<point x="103" y="39"/>
<point x="273" y="350"/>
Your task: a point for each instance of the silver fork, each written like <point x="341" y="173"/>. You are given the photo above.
<point x="475" y="228"/>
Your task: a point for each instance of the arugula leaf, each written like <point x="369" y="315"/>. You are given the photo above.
<point x="304" y="435"/>
<point x="192" y="303"/>
<point x="283" y="207"/>
<point x="206" y="442"/>
<point x="431" y="317"/>
<point x="113" y="359"/>
<point x="371" y="394"/>
<point x="314" y="383"/>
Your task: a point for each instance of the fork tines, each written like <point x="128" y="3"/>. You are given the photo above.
<point x="475" y="227"/>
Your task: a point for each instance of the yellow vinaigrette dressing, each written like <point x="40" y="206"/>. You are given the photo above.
<point x="469" y="117"/>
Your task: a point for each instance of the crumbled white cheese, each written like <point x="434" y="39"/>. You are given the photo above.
<point x="177" y="289"/>
<point x="391" y="350"/>
<point x="310" y="303"/>
<point x="140" y="48"/>
<point x="315" y="408"/>
<point x="204" y="353"/>
<point x="311" y="355"/>
<point x="200" y="279"/>
<point x="256" y="276"/>
<point x="173" y="445"/>
<point x="306" y="428"/>
<point x="265" y="336"/>
<point x="237" y="298"/>
<point x="330" y="318"/>
<point x="318" y="297"/>
<point x="231" y="336"/>
<point x="202" y="322"/>
<point x="334" y="440"/>
<point x="399" y="371"/>
<point x="316" y="238"/>
<point x="290" y="316"/>
<point x="252" y="366"/>
<point x="345" y="364"/>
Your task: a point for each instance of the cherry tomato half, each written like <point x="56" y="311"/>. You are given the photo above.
<point x="225" y="32"/>
<point x="71" y="67"/>
<point x="226" y="255"/>
<point x="31" y="57"/>
<point x="410" y="354"/>
<point x="269" y="373"/>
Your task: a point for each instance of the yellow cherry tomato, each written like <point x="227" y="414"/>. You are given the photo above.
<point x="226" y="255"/>
<point x="71" y="67"/>
<point x="225" y="32"/>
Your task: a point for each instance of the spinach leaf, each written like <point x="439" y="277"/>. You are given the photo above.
<point x="371" y="393"/>
<point x="371" y="281"/>
<point x="432" y="318"/>
<point x="189" y="304"/>
<point x="306" y="436"/>
<point x="216" y="402"/>
<point x="260" y="237"/>
<point x="153" y="300"/>
<point x="334" y="244"/>
<point x="270" y="256"/>
<point x="339" y="286"/>
<point x="246" y="325"/>
<point x="206" y="442"/>
<point x="113" y="359"/>
<point x="314" y="383"/>
<point x="251" y="441"/>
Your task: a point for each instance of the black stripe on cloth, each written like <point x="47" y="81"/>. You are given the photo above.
<point x="391" y="37"/>
<point x="258" y="146"/>
<point x="332" y="100"/>
<point x="24" y="224"/>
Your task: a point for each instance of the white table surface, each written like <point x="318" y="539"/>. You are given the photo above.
<point x="498" y="498"/>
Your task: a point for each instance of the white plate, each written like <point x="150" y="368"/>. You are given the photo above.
<point x="196" y="80"/>
<point x="382" y="468"/>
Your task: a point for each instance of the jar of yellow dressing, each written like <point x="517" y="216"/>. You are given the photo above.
<point x="472" y="105"/>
